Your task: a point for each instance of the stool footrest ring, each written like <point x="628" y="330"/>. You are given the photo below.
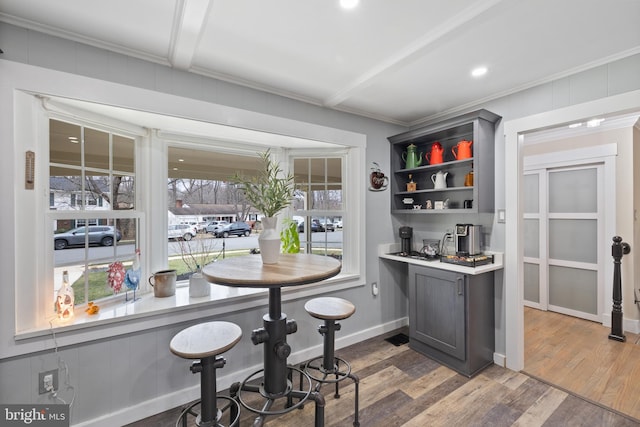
<point x="340" y="374"/>
<point x="302" y="394"/>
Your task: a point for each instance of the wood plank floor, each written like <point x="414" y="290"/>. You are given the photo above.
<point x="400" y="387"/>
<point x="576" y="355"/>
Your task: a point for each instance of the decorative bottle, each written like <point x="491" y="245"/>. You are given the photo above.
<point x="65" y="299"/>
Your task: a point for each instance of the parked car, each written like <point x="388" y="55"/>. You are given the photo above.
<point x="238" y="228"/>
<point x="193" y="225"/>
<point x="214" y="226"/>
<point x="181" y="231"/>
<point x="201" y="227"/>
<point x="328" y="225"/>
<point x="338" y="224"/>
<point x="103" y="235"/>
<point x="315" y="226"/>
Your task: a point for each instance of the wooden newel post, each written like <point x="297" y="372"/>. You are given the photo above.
<point x="618" y="249"/>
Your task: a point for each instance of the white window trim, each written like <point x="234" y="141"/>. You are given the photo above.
<point x="21" y="81"/>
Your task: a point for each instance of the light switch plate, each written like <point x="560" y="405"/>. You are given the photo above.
<point x="502" y="216"/>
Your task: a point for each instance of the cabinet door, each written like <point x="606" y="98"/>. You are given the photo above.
<point x="437" y="310"/>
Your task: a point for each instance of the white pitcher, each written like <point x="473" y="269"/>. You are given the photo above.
<point x="439" y="180"/>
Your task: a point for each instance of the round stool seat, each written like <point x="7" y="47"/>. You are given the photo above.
<point x="205" y="340"/>
<point x="330" y="308"/>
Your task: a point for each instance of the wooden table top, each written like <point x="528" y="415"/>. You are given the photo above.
<point x="291" y="270"/>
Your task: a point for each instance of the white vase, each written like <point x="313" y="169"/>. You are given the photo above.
<point x="269" y="241"/>
<point x="198" y="286"/>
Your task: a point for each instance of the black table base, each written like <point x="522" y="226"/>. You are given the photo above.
<point x="276" y="384"/>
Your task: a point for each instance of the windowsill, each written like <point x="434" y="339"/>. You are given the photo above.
<point x="147" y="312"/>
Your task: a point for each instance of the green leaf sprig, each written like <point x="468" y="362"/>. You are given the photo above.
<point x="270" y="191"/>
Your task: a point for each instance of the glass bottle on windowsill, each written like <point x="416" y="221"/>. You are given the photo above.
<point x="65" y="299"/>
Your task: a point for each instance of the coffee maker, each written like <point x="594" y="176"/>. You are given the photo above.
<point x="406" y="233"/>
<point x="467" y="237"/>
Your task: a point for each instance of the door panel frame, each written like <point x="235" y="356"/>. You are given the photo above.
<point x="601" y="157"/>
<point x="543" y="296"/>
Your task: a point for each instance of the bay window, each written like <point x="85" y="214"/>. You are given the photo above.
<point x="104" y="197"/>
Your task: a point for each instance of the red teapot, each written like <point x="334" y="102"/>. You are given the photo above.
<point x="435" y="157"/>
<point x="462" y="150"/>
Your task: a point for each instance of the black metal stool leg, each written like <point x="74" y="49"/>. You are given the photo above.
<point x="330" y="365"/>
<point x="207" y="368"/>
<point x="356" y="381"/>
<point x="235" y="409"/>
<point x="332" y="369"/>
<point x="210" y="414"/>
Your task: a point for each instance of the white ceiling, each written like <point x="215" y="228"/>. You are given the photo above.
<point x="402" y="61"/>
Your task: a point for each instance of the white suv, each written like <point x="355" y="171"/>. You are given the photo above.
<point x="181" y="231"/>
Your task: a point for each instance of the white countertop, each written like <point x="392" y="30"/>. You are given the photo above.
<point x="385" y="250"/>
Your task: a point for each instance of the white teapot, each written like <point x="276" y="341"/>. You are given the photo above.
<point x="439" y="180"/>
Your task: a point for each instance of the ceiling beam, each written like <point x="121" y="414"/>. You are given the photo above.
<point x="410" y="51"/>
<point x="187" y="30"/>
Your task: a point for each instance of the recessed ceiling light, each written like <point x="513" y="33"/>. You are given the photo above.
<point x="349" y="4"/>
<point x="479" y="71"/>
<point x="575" y="125"/>
<point x="181" y="160"/>
<point x="73" y="139"/>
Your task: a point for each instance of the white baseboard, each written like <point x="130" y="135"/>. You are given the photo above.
<point x="172" y="400"/>
<point x="500" y="359"/>
<point x="628" y="325"/>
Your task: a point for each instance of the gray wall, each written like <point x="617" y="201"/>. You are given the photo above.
<point x="128" y="376"/>
<point x="131" y="373"/>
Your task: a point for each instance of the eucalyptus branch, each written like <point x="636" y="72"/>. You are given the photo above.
<point x="269" y="191"/>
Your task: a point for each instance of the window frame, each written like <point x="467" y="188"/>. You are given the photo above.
<point x="84" y="214"/>
<point x="30" y="88"/>
<point x="350" y="256"/>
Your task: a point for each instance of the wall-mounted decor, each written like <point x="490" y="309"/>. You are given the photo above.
<point x="377" y="180"/>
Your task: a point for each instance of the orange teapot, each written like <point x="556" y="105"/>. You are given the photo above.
<point x="462" y="150"/>
<point x="436" y="155"/>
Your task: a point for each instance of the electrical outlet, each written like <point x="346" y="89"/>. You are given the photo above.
<point x="48" y="381"/>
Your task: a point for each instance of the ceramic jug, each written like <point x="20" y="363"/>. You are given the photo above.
<point x="436" y="155"/>
<point x="163" y="283"/>
<point x="462" y="150"/>
<point x="411" y="158"/>
<point x="439" y="180"/>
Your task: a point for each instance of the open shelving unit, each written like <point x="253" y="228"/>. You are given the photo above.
<point x="478" y="127"/>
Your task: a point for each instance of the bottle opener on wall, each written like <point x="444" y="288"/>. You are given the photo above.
<point x="29" y="170"/>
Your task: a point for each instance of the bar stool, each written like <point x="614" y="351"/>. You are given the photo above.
<point x="331" y="309"/>
<point x="205" y="342"/>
